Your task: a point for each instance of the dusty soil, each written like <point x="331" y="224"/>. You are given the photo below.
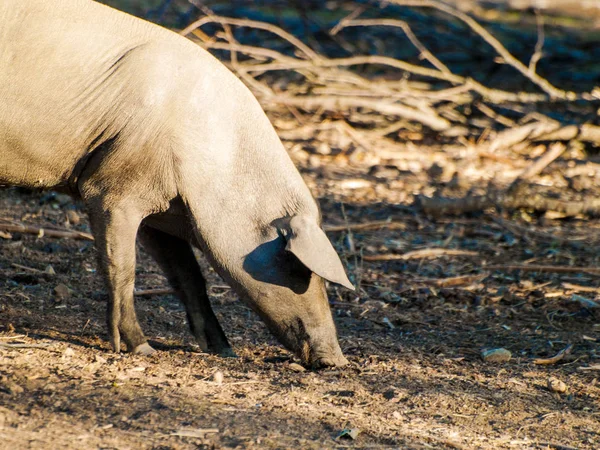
<point x="414" y="332"/>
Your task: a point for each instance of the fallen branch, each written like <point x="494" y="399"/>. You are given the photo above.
<point x="554" y="151"/>
<point x="495" y="44"/>
<point x="425" y="54"/>
<point x="517" y="198"/>
<point x="420" y="254"/>
<point x="555" y="446"/>
<point x="28" y="269"/>
<point x="592" y="367"/>
<point x="545" y="130"/>
<point x="334" y="103"/>
<point x="586" y="133"/>
<point x="41" y="232"/>
<point x="18" y="336"/>
<point x="17" y="346"/>
<point x="309" y="52"/>
<point x="577" y="287"/>
<point x="287" y="63"/>
<point x="512" y="136"/>
<point x="392" y="225"/>
<point x="539" y="45"/>
<point x="545" y="269"/>
<point x="455" y="281"/>
<point x="333" y="86"/>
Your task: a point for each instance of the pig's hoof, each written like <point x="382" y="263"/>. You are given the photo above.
<point x="143" y="349"/>
<point x="333" y="361"/>
<point x="115" y="343"/>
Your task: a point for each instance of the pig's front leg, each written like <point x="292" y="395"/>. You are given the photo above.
<point x="176" y="258"/>
<point x="115" y="230"/>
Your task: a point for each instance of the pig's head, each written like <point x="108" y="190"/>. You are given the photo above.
<point x="287" y="288"/>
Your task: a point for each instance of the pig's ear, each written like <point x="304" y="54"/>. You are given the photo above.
<point x="308" y="242"/>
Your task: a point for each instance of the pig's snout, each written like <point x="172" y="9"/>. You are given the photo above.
<point x="317" y="348"/>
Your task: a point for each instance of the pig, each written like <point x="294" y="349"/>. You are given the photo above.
<point x="161" y="142"/>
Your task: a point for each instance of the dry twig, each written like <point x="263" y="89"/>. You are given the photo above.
<point x="18" y="346"/>
<point x="545" y="269"/>
<point x="41" y="232"/>
<point x="425" y="54"/>
<point x="309" y="52"/>
<point x="420" y="254"/>
<point x="366" y="226"/>
<point x="556" y="358"/>
<point x="456" y="281"/>
<point x="520" y="197"/>
<point x="553" y="152"/>
<point x="495" y="44"/>
<point x="577" y="287"/>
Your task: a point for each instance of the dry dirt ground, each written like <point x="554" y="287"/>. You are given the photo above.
<point x="414" y="331"/>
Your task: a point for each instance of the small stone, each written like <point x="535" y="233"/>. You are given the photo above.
<point x="218" y="377"/>
<point x="555" y="385"/>
<point x="68" y="352"/>
<point x="323" y="149"/>
<point x="62" y="292"/>
<point x="296" y="367"/>
<point x="72" y="217"/>
<point x="496" y="355"/>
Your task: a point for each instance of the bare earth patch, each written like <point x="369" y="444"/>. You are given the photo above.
<point x="414" y="335"/>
